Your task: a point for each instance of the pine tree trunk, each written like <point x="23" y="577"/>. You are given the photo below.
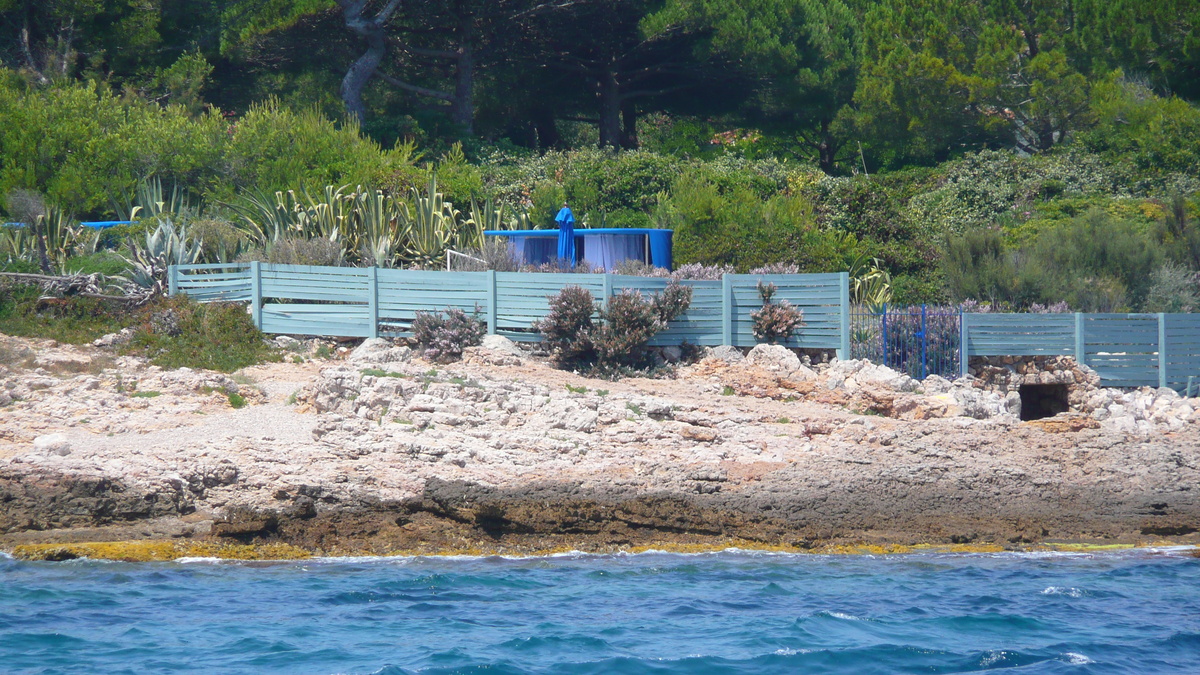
<point x="463" y="109"/>
<point x="610" y="110"/>
<point x="629" y="134"/>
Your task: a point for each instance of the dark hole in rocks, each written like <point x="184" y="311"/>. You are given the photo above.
<point x="1039" y="401"/>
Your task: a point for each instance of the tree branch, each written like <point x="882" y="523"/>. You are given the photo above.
<point x="423" y="91"/>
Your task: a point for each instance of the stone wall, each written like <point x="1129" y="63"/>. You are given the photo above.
<point x="1006" y="374"/>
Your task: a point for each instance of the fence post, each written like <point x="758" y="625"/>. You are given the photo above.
<point x="844" y="285"/>
<point x="726" y="309"/>
<point x="256" y="293"/>
<point x="1162" y="350"/>
<point x="1080" y="342"/>
<point x="963" y="351"/>
<point x="373" y="298"/>
<point x="491" y="300"/>
<point x="173" y="280"/>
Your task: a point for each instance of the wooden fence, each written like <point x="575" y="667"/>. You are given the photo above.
<point x="1126" y="350"/>
<point x="369" y="302"/>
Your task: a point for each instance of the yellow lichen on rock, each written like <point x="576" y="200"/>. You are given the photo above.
<point x="158" y="551"/>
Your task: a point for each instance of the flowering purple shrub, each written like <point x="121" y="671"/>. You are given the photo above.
<point x="443" y="336"/>
<point x="775" y="322"/>
<point x="620" y="337"/>
<point x="701" y="272"/>
<point x="567" y="329"/>
<point x="777" y="268"/>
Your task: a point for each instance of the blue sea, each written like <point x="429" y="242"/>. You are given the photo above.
<point x="728" y="612"/>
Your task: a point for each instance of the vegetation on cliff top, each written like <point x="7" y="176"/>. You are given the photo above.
<point x="970" y="147"/>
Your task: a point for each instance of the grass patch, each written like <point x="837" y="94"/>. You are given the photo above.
<point x="323" y="352"/>
<point x="577" y="390"/>
<point x="727" y="391"/>
<point x="71" y="320"/>
<point x="602" y="392"/>
<point x="215" y="336"/>
<point x="379" y="372"/>
<point x="291" y="399"/>
<point x="145" y="394"/>
<point x="107" y="263"/>
<point x="783" y="420"/>
<point x="237" y="401"/>
<point x="634" y="408"/>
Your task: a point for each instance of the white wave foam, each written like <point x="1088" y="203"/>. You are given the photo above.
<point x="201" y="559"/>
<point x="5" y="556"/>
<point x="1069" y="591"/>
<point x="1077" y="659"/>
<point x="787" y="651"/>
<point x="843" y="616"/>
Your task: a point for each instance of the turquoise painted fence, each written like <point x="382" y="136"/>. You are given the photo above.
<point x="1126" y="350"/>
<point x="367" y="302"/>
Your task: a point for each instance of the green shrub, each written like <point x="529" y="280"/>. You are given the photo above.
<point x="1173" y="288"/>
<point x="107" y="263"/>
<point x="443" y="336"/>
<point x="220" y="240"/>
<point x="216" y="336"/>
<point x="1160" y="135"/>
<point x="276" y="148"/>
<point x="73" y="320"/>
<point x="1094" y="262"/>
<point x="79" y="144"/>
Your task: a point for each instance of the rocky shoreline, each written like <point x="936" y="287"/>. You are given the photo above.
<point x="375" y="451"/>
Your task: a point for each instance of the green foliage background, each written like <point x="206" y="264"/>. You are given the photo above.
<point x="992" y="151"/>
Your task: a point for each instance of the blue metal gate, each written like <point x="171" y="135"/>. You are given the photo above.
<point x="920" y="341"/>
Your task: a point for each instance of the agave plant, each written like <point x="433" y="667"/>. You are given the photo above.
<point x="165" y="246"/>
<point x="381" y="227"/>
<point x="870" y="284"/>
<point x="16" y="243"/>
<point x="430" y="226"/>
<point x="150" y="200"/>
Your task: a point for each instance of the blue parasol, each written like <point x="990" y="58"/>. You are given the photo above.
<point x="566" y="236"/>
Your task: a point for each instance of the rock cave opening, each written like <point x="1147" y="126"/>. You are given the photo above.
<point x="1039" y="401"/>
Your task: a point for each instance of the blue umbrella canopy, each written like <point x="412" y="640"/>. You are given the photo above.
<point x="566" y="235"/>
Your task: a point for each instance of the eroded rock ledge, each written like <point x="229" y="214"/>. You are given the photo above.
<point x="380" y="452"/>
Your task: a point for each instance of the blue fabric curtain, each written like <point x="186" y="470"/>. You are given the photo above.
<point x="536" y="250"/>
<point x="607" y="250"/>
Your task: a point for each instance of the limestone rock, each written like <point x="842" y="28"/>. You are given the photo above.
<point x="53" y="444"/>
<point x="117" y="339"/>
<point x="379" y="350"/>
<point x="774" y="358"/>
<point x="726" y="353"/>
<point x="499" y="343"/>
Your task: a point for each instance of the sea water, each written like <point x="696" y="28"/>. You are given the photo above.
<point x="728" y="612"/>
